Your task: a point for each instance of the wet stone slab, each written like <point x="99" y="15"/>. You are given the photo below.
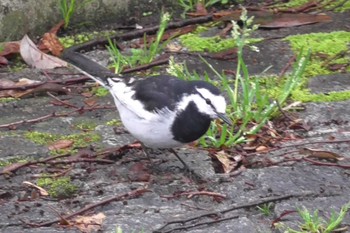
<point x="300" y="183"/>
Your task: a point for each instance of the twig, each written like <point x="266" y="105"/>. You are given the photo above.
<point x="130" y="195"/>
<point x="35" y="120"/>
<point x="60" y="101"/>
<point x="147" y="66"/>
<point x="139" y="33"/>
<point x="287" y="212"/>
<point x="200" y="224"/>
<point x="52" y="115"/>
<point x="287" y="66"/>
<point x="34" y="85"/>
<point x="14" y="167"/>
<point x="198" y="193"/>
<point x="318" y="163"/>
<point x="81" y="160"/>
<point x="234" y="207"/>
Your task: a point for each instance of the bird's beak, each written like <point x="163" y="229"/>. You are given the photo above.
<point x="224" y="118"/>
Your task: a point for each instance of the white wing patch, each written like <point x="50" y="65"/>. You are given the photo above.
<point x="124" y="95"/>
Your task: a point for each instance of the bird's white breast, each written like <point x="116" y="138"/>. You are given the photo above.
<point x="151" y="128"/>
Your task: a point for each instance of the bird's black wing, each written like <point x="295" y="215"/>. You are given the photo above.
<point x="160" y="92"/>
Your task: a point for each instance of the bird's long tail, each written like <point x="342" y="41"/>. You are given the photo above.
<point x="90" y="68"/>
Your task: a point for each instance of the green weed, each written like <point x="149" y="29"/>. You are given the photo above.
<point x="68" y="7"/>
<point x="249" y="105"/>
<point x="265" y="209"/>
<point x="313" y="223"/>
<point x="141" y="56"/>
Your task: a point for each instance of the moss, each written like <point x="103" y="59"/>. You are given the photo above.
<point x="41" y="138"/>
<point x="114" y="123"/>
<point x="69" y="41"/>
<point x="326" y="49"/>
<point x="100" y="91"/>
<point x="342" y="8"/>
<point x="7" y="99"/>
<point x="86" y="126"/>
<point x="7" y="162"/>
<point x="329" y="5"/>
<point x="58" y="188"/>
<point x="195" y="43"/>
<point x="324" y="46"/>
<point x="306" y="96"/>
<point x="80" y="140"/>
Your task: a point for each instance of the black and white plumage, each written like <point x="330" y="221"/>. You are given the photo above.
<point x="163" y="111"/>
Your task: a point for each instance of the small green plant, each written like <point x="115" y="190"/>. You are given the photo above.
<point x="58" y="188"/>
<point x="313" y="223"/>
<point x="190" y="5"/>
<point x="141" y="56"/>
<point x="67" y="8"/>
<point x="265" y="209"/>
<point x="249" y="104"/>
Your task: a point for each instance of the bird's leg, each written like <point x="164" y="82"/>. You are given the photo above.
<point x="145" y="150"/>
<point x="191" y="172"/>
<point x="180" y="159"/>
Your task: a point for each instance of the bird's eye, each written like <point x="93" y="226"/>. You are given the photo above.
<point x="208" y="101"/>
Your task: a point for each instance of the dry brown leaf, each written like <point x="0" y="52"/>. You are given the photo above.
<point x="5" y="83"/>
<point x="42" y="191"/>
<point x="90" y="101"/>
<point x="261" y="148"/>
<point x="57" y="27"/>
<point x="9" y="48"/>
<point x="88" y="224"/>
<point x="321" y="154"/>
<point x="61" y="144"/>
<point x="291" y="20"/>
<point x="3" y="61"/>
<point x="172" y="47"/>
<point x="267" y="19"/>
<point x="51" y="42"/>
<point x="35" y="58"/>
<point x="227" y="163"/>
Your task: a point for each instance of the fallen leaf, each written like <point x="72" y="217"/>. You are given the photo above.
<point x="90" y="101"/>
<point x="320" y="154"/>
<point x="9" y="48"/>
<point x="61" y="144"/>
<point x="228" y="164"/>
<point x="261" y="148"/>
<point x="35" y="58"/>
<point x="42" y="191"/>
<point x="291" y="20"/>
<point x="173" y="47"/>
<point x="57" y="27"/>
<point x="12" y="167"/>
<point x="51" y="42"/>
<point x="89" y="224"/>
<point x="46" y="87"/>
<point x="267" y="19"/>
<point x="3" y="61"/>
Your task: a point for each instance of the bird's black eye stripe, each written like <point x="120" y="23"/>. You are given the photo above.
<point x="208" y="101"/>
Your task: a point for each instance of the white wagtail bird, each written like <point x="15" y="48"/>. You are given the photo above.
<point x="161" y="111"/>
